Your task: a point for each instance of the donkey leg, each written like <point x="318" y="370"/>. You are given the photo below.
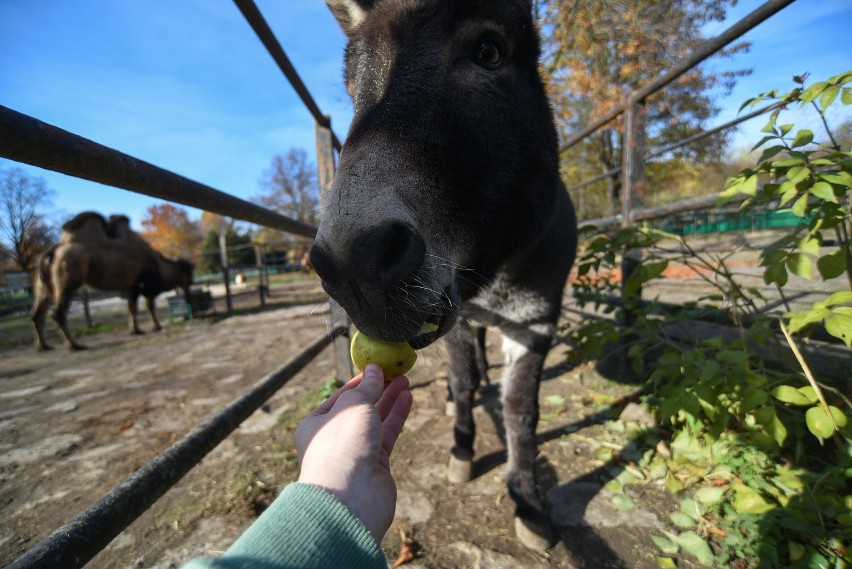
<point x="481" y="357"/>
<point x="464" y="380"/>
<point x="520" y="416"/>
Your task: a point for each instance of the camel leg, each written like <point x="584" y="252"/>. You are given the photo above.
<point x="151" y="303"/>
<point x="131" y="311"/>
<point x="39" y="316"/>
<point x="60" y="316"/>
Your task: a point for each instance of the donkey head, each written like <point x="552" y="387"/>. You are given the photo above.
<point x="449" y="165"/>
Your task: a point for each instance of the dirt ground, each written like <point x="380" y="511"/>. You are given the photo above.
<point x="76" y="424"/>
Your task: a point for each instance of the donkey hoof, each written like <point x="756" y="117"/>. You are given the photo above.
<point x="535" y="536"/>
<point x="459" y="470"/>
<point x="45" y="348"/>
<point x="77" y="347"/>
<point x="450" y="409"/>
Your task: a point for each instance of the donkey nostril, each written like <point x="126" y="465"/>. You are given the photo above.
<point x="394" y="251"/>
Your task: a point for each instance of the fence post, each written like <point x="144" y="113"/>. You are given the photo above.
<point x="259" y="263"/>
<point x="632" y="196"/>
<point x="223" y="257"/>
<point x="325" y="174"/>
<point x="86" y="311"/>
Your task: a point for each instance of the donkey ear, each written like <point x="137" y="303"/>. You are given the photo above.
<point x="349" y="13"/>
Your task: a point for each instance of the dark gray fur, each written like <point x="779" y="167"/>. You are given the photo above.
<point x="448" y="207"/>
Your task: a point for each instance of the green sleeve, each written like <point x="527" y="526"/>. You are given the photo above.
<point x="306" y="528"/>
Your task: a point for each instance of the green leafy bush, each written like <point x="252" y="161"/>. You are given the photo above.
<point x="761" y="445"/>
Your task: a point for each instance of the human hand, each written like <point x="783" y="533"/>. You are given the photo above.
<point x="344" y="446"/>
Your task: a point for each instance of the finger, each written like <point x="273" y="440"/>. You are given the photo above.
<point x="390" y="395"/>
<point x="392" y="426"/>
<point x="372" y="383"/>
<point x="326" y="405"/>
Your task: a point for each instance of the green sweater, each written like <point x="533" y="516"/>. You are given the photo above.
<point x="305" y="528"/>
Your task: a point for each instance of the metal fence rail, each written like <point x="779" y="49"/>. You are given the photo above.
<point x="86" y="534"/>
<point x="28" y="140"/>
<point x="31" y="141"/>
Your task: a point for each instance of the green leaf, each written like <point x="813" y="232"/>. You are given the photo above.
<point x="846" y="96"/>
<point x="776" y="429"/>
<point x="841" y="297"/>
<point x="800" y="206"/>
<point x="810" y="393"/>
<point x="785" y="128"/>
<point x="623" y="502"/>
<point x="752" y="398"/>
<point x="554" y="400"/>
<point x="749" y="186"/>
<point x="763" y="141"/>
<point x="775" y="273"/>
<point x="812" y="92"/>
<point x="695" y="545"/>
<point x="666" y="546"/>
<point x="800" y="264"/>
<point x="799" y="320"/>
<point x="823" y="190"/>
<point x="809" y="244"/>
<point x="820" y="424"/>
<point x="709" y="494"/>
<point x="789" y="394"/>
<point x="803" y="137"/>
<point x="839" y="324"/>
<point x="666" y="562"/>
<point x="681" y="520"/>
<point x="747" y="501"/>
<point x="832" y="265"/>
<point x="828" y="96"/>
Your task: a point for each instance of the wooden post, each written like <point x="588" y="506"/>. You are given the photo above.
<point x="632" y="197"/>
<point x="258" y="261"/>
<point x="325" y="175"/>
<point x="223" y="257"/>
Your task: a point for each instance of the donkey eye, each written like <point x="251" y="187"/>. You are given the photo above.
<point x="488" y="54"/>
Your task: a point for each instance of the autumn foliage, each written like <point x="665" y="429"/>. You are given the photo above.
<point x="170" y="231"/>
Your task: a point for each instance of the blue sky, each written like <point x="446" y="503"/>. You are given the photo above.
<point x="188" y="86"/>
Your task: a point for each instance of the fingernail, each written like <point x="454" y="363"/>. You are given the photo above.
<point x="373" y="371"/>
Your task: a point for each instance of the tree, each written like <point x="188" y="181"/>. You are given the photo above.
<point x="290" y="187"/>
<point x="170" y="231"/>
<point x="239" y="253"/>
<point x="25" y="232"/>
<point x="598" y="51"/>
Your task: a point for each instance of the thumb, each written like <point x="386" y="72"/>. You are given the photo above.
<point x="372" y="383"/>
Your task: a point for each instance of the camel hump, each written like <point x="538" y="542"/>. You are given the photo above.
<point x="118" y="226"/>
<point x="81" y="219"/>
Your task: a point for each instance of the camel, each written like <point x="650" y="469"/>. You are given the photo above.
<point x="107" y="256"/>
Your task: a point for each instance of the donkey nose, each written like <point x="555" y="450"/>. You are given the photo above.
<point x="389" y="253"/>
<point x="380" y="257"/>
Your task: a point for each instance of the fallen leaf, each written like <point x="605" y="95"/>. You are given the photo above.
<point x="663" y="450"/>
<point x="407" y="552"/>
<point x="125" y="425"/>
<point x="716" y="531"/>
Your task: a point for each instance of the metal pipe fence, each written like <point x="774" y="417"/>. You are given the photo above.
<point x="28" y="140"/>
<point x="87" y="533"/>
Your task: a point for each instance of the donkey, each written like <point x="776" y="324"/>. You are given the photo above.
<point x="447" y="207"/>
